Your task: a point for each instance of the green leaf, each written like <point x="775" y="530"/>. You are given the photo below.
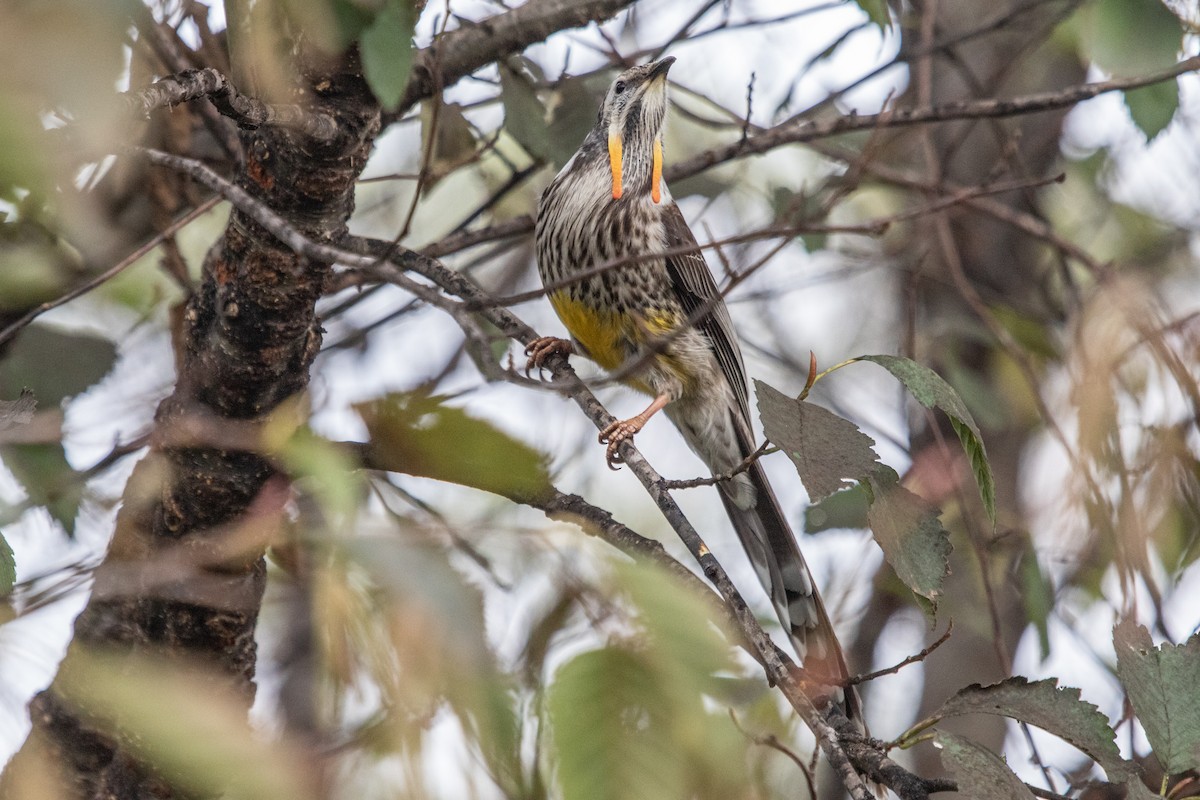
<point x="910" y="533"/>
<point x="827" y="450"/>
<point x="8" y="568"/>
<point x="1161" y="683"/>
<point x="453" y="140"/>
<point x="877" y="12"/>
<point x="931" y="391"/>
<point x="1056" y="710"/>
<point x="387" y="51"/>
<point x="683" y="640"/>
<point x="79" y="360"/>
<point x="1033" y="334"/>
<point x="524" y="114"/>
<point x="573" y="115"/>
<point x="350" y="20"/>
<point x="845" y="509"/>
<point x="607" y="715"/>
<point x="1108" y="41"/>
<point x="1153" y="107"/>
<point x="333" y="475"/>
<point x="415" y="433"/>
<point x="48" y="479"/>
<point x="981" y="774"/>
<point x="1037" y="597"/>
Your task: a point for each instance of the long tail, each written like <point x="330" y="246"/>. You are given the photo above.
<point x="768" y="540"/>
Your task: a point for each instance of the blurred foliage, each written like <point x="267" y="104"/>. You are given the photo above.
<point x="628" y="719"/>
<point x="420" y="435"/>
<point x="560" y="670"/>
<point x="181" y="719"/>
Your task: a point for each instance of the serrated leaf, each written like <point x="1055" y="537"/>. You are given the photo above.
<point x="387" y="51"/>
<point x="606" y="714"/>
<point x="1161" y="683"/>
<point x="1153" y="107"/>
<point x="931" y="391"/>
<point x="910" y="533"/>
<point x="877" y="12"/>
<point x="8" y="568"/>
<point x="415" y="433"/>
<point x="1060" y="711"/>
<point x="981" y="774"/>
<point x="828" y="451"/>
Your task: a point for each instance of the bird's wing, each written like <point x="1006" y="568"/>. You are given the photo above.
<point x="697" y="293"/>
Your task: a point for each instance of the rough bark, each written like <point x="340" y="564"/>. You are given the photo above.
<point x="249" y="337"/>
<point x="245" y="344"/>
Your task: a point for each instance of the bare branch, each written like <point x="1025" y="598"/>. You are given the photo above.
<point x="247" y="112"/>
<point x="459" y="53"/>
<point x="810" y="130"/>
<point x="15" y="327"/>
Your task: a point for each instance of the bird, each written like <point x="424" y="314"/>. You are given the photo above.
<point x="626" y="277"/>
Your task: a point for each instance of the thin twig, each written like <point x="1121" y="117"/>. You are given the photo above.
<point x="913" y="659"/>
<point x="109" y="273"/>
<point x="763" y="449"/>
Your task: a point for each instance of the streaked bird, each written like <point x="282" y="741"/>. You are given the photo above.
<point x="625" y="275"/>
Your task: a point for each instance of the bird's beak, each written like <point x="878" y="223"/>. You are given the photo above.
<point x="659" y="68"/>
<point x="658" y="73"/>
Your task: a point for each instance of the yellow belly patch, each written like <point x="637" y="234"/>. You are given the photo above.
<point x="600" y="332"/>
<point x="607" y="336"/>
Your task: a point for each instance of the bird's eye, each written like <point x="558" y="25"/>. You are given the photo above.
<point x="619" y="87"/>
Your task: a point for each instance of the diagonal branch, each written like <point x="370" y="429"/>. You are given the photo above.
<point x="837" y="741"/>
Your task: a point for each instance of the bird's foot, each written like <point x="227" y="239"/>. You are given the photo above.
<point x="542" y="348"/>
<point x="619" y="431"/>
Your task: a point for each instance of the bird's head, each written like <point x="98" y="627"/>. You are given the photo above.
<point x="632" y="118"/>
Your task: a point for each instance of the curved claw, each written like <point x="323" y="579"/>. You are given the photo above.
<point x="541" y="349"/>
<point x="613" y="435"/>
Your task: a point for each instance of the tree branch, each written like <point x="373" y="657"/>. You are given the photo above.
<point x="248" y="112"/>
<point x="810" y="130"/>
<point x="457" y="54"/>
<point x="779" y="668"/>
